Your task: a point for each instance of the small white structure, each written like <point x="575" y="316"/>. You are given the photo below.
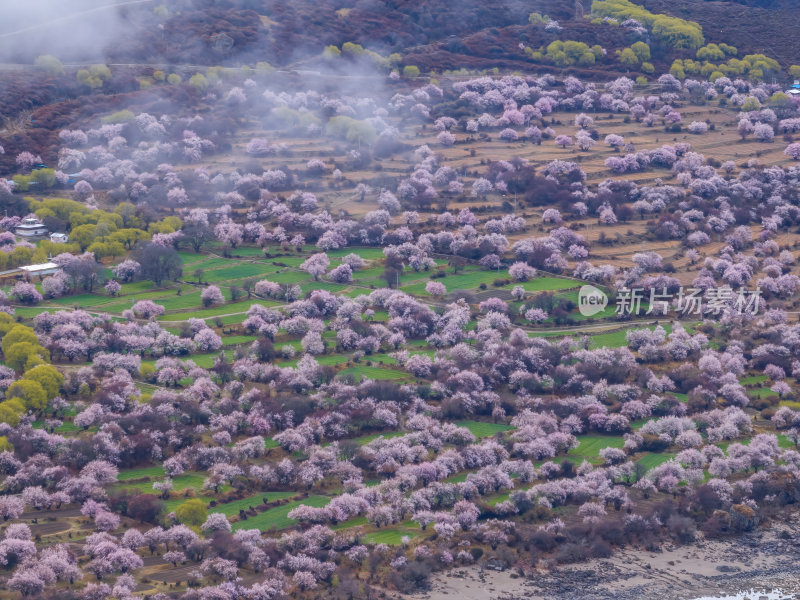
<point x="31" y="227"/>
<point x="795" y="89"/>
<point x="59" y="238"/>
<point x="48" y="268"/>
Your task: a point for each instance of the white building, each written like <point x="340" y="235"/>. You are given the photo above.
<point x="795" y="89"/>
<point x="48" y="268"/>
<point x="59" y="238"/>
<point x="31" y="227"/>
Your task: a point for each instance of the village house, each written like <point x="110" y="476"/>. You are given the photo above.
<point x="31" y="227"/>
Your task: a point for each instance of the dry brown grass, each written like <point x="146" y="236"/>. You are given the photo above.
<point x="471" y="155"/>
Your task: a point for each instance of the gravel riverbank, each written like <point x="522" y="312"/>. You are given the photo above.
<point x="761" y="560"/>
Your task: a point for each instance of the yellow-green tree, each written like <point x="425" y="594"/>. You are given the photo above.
<point x="61" y="208"/>
<point x="751" y="104"/>
<point x="129" y="237"/>
<point x="199" y="82"/>
<point x="17" y="334"/>
<point x="165" y="225"/>
<point x="707" y="69"/>
<point x="25" y="355"/>
<point x="11" y="410"/>
<point x="352" y="130"/>
<point x="628" y="58"/>
<point x="352" y="49"/>
<point x="673" y="31"/>
<point x="331" y="52"/>
<point x="264" y="68"/>
<point x="536" y="18"/>
<point x="83" y="235"/>
<point x="120" y="116"/>
<point x="641" y="50"/>
<point x="44" y="178"/>
<point x="192" y="512"/>
<point x="53" y="249"/>
<point x="578" y="53"/>
<point x="22" y="255"/>
<point x="106" y="249"/>
<point x="100" y="71"/>
<point x="30" y="392"/>
<point x="50" y="64"/>
<point x="129" y="215"/>
<point x="676" y="70"/>
<point x="7" y="323"/>
<point x="22" y="182"/>
<point x="48" y="377"/>
<point x="94" y="76"/>
<point x="711" y="52"/>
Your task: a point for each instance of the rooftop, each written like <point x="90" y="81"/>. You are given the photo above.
<point x="41" y="267"/>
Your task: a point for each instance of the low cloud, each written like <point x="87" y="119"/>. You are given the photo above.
<point x="72" y="30"/>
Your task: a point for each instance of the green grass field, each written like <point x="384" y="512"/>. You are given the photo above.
<point x="458" y="478"/>
<point x="365" y="253"/>
<point x="617" y="339"/>
<point x="247" y="252"/>
<point x="483" y="430"/>
<point x="64" y="428"/>
<point x="287" y="261"/>
<point x="366" y="439"/>
<point x="230" y="509"/>
<point x="590" y="445"/>
<point x="136" y="287"/>
<point x="328" y="286"/>
<point x="354" y="522"/>
<point x="180" y="483"/>
<point x="393" y="536"/>
<point x="651" y="460"/>
<point x="365" y="274"/>
<point x="548" y="284"/>
<point x="753" y="379"/>
<point x="241" y="271"/>
<point x="226" y="320"/>
<point x="201" y="360"/>
<point x="462" y="281"/>
<point x="154" y="472"/>
<point x="362" y="371"/>
<point x="277" y="518"/>
<point x="82" y="300"/>
<point x="240" y="307"/>
<point x="290" y="277"/>
<point x="233" y="340"/>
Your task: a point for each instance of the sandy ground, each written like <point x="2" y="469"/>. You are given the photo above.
<point x="761" y="561"/>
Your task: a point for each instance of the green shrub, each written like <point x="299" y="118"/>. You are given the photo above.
<point x="121" y="116"/>
<point x="671" y="31"/>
